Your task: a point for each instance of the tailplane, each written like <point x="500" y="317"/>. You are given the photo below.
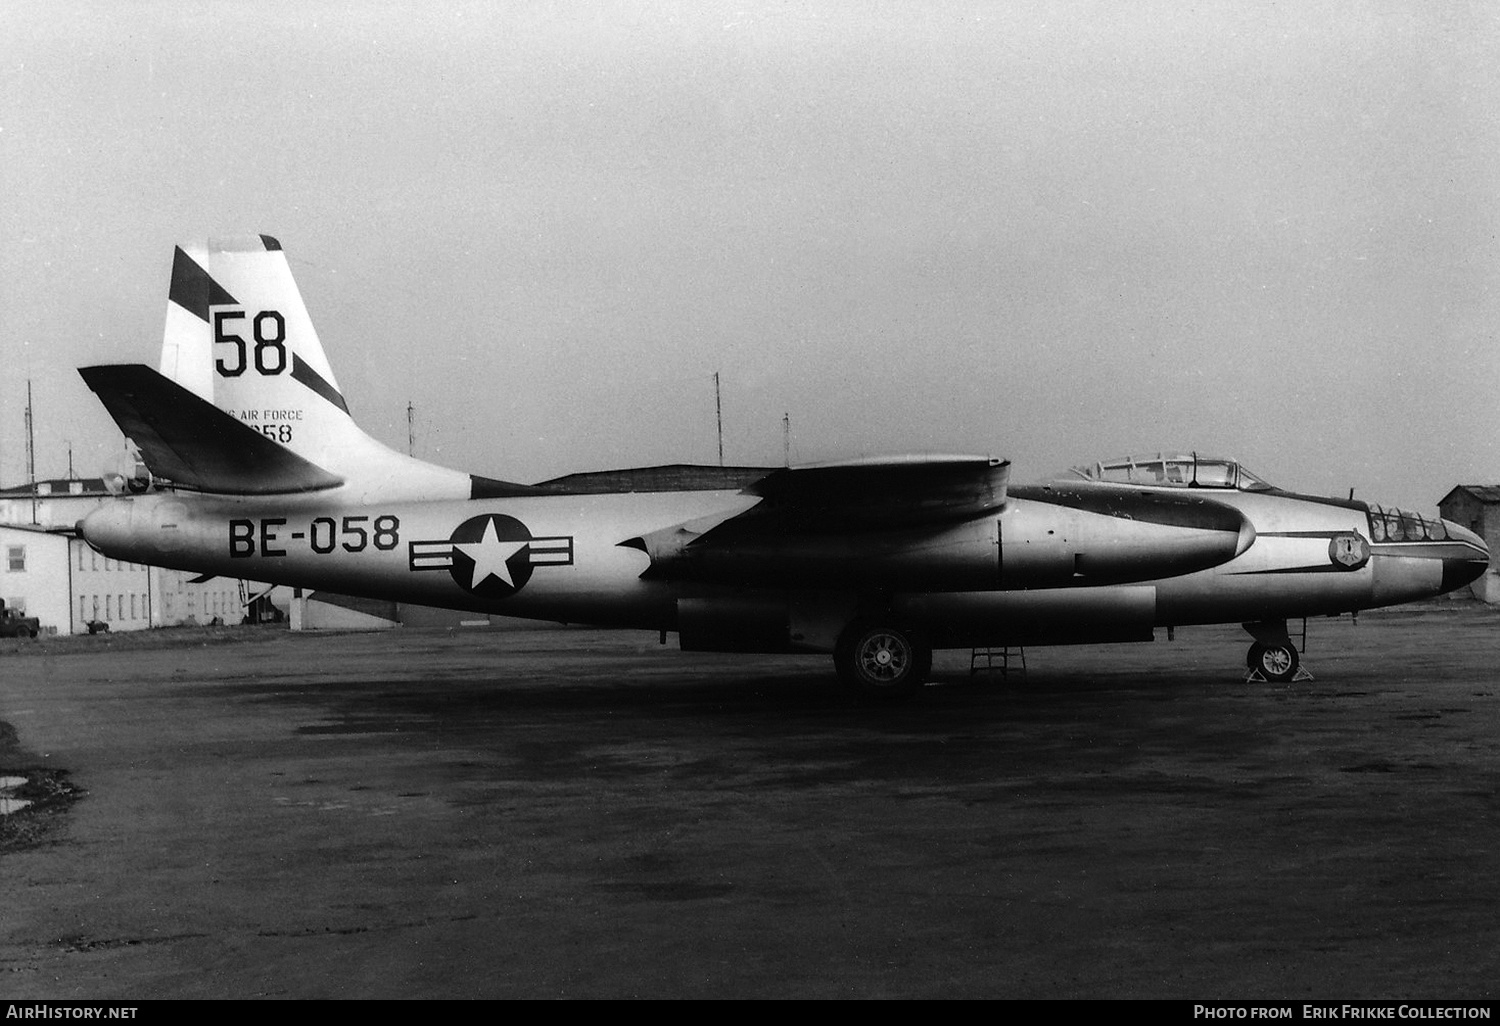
<point x="185" y="440"/>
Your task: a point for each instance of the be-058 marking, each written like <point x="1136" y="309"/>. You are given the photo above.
<point x="268" y="538"/>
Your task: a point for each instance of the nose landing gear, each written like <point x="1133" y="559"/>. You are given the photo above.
<point x="1273" y="658"/>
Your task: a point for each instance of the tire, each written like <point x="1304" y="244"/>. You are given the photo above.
<point x="882" y="661"/>
<point x="1276" y="662"/>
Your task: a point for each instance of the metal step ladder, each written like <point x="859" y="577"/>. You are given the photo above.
<point x="988" y="660"/>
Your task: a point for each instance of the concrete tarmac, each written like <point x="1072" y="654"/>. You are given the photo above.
<point x="583" y="814"/>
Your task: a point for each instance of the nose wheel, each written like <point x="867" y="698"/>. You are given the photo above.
<point x="1273" y="658"/>
<point x="1277" y="664"/>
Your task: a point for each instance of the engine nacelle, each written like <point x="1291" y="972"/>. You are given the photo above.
<point x="125" y="474"/>
<point x="734" y="623"/>
<point x="1055" y="537"/>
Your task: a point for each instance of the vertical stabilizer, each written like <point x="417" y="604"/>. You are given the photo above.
<point x="239" y="336"/>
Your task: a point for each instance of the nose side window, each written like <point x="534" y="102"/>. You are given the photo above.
<point x="1395" y="525"/>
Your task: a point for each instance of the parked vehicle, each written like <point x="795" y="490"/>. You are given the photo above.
<point x="12" y="626"/>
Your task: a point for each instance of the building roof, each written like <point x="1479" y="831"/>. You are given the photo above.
<point x="60" y="486"/>
<point x="56" y="532"/>
<point x="1487" y="494"/>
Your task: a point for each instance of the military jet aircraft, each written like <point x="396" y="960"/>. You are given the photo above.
<point x="254" y="468"/>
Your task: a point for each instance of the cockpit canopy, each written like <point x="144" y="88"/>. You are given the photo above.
<point x="1170" y="470"/>
<point x="1167" y="470"/>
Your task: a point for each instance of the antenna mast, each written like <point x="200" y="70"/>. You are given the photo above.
<point x="411" y="432"/>
<point x="31" y="450"/>
<point x="719" y="413"/>
<point x="786" y="439"/>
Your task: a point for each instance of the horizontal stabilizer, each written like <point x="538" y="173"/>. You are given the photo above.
<point x="193" y="443"/>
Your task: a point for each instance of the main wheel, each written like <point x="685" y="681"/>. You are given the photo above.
<point x="882" y="661"/>
<point x="1276" y="662"/>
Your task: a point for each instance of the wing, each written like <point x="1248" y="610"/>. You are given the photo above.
<point x="826" y="520"/>
<point x="195" y="444"/>
<point x="876" y="494"/>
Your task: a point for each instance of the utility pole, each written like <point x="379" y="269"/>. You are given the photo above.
<point x="786" y="439"/>
<point x="719" y="413"/>
<point x="31" y="450"/>
<point x="411" y="434"/>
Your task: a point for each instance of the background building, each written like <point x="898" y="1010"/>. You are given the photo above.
<point x="34" y="577"/>
<point x="46" y="571"/>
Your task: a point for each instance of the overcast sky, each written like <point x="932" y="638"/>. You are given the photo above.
<point x="1049" y="231"/>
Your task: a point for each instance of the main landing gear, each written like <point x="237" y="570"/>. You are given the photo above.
<point x="1273" y="658"/>
<point x="882" y="660"/>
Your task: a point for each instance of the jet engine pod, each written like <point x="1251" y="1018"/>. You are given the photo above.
<point x="1101" y="534"/>
<point x="125" y="474"/>
<point x="734" y="623"/>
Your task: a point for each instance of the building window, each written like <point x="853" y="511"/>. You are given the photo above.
<point x="80" y="558"/>
<point x="83" y="609"/>
<point x="132" y="607"/>
<point x="96" y="607"/>
<point x="15" y="557"/>
<point x="109" y="607"/>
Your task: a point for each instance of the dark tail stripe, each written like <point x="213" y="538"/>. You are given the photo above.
<point x="193" y="289"/>
<point x="315" y="381"/>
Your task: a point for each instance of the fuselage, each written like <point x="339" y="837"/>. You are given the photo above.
<point x="1071" y="562"/>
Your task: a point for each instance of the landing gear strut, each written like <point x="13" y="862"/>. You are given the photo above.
<point x="1273" y="657"/>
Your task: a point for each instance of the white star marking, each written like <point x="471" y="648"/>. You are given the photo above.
<point x="489" y="554"/>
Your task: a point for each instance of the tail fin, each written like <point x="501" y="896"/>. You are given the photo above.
<point x="238" y="336"/>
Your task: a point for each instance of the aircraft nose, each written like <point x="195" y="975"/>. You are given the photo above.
<point x="1468" y="565"/>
